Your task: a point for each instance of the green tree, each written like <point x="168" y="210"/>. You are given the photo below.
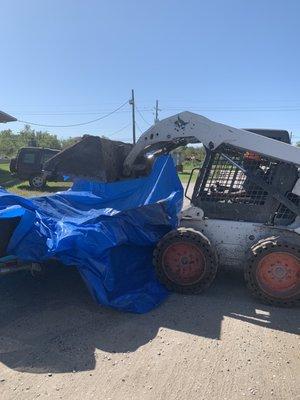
<point x="8" y="143"/>
<point x="26" y="136"/>
<point x="191" y="153"/>
<point x="69" y="142"/>
<point x="11" y="142"/>
<point x="45" y="139"/>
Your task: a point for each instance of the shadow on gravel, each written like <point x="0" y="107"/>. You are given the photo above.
<point x="54" y="325"/>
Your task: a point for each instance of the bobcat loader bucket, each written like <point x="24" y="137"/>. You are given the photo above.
<point x="92" y="158"/>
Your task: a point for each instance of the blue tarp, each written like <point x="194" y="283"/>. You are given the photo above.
<point x="107" y="230"/>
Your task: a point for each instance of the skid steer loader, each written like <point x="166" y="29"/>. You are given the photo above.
<point x="244" y="211"/>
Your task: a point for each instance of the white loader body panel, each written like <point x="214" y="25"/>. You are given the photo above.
<point x="233" y="239"/>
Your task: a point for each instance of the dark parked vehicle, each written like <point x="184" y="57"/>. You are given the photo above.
<point x="29" y="164"/>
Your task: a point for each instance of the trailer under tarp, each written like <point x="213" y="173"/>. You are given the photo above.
<point x="107" y="230"/>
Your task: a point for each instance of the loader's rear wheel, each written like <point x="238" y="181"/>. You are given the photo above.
<point x="273" y="272"/>
<point x="185" y="261"/>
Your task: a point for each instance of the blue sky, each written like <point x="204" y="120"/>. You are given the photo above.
<point x="234" y="61"/>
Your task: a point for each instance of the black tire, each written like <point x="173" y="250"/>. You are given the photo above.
<point x="37" y="182"/>
<point x="196" y="264"/>
<point x="272" y="272"/>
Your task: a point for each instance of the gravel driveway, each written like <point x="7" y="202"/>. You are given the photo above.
<point x="55" y="343"/>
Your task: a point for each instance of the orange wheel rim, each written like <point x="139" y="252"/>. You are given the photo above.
<point x="183" y="263"/>
<point x="278" y="274"/>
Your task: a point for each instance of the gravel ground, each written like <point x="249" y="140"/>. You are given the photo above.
<point x="55" y="343"/>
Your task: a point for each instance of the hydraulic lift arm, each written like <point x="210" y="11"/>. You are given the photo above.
<point x="106" y="160"/>
<point x="188" y="127"/>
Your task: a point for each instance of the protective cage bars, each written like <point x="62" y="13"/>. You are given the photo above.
<point x="223" y="183"/>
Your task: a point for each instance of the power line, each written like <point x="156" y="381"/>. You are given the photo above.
<point x="75" y="113"/>
<point x="170" y="108"/>
<point x="175" y="102"/>
<point x="231" y="109"/>
<point x="82" y="112"/>
<point x="141" y="115"/>
<point x="120" y="130"/>
<point x="79" y="124"/>
<point x="138" y="127"/>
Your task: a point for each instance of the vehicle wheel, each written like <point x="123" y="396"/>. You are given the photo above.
<point x="185" y="261"/>
<point x="272" y="273"/>
<point x="37" y="181"/>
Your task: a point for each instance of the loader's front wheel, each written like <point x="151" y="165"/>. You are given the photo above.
<point x="273" y="271"/>
<point x="185" y="261"/>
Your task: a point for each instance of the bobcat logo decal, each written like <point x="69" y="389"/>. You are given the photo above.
<point x="180" y="124"/>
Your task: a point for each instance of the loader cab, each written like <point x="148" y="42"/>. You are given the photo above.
<point x="224" y="191"/>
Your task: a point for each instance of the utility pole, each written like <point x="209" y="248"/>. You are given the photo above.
<point x="156" y="112"/>
<point x="132" y="103"/>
